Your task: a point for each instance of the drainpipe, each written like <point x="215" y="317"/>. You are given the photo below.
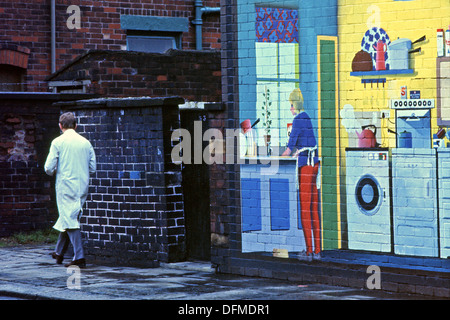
<point x="198" y="22"/>
<point x="53" y="34"/>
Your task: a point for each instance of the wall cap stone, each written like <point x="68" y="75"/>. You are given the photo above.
<point x="44" y="96"/>
<point x="122" y="103"/>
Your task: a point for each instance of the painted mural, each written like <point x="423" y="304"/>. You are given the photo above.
<point x="282" y="210"/>
<point x="355" y="109"/>
<point x="394" y="150"/>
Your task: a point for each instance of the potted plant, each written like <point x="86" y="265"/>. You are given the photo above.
<point x="267" y="122"/>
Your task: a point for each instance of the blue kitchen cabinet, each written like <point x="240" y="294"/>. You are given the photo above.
<point x="279" y="204"/>
<point x="415" y="212"/>
<point x="444" y="201"/>
<point x="269" y="204"/>
<point x="251" y="204"/>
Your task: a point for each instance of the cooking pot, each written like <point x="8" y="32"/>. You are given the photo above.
<point x="367" y="138"/>
<point x="405" y="139"/>
<point x="399" y="51"/>
<point x="362" y="62"/>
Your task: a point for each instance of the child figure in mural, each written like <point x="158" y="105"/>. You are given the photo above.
<point x="302" y="143"/>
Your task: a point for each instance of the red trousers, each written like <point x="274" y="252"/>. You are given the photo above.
<point x="309" y="204"/>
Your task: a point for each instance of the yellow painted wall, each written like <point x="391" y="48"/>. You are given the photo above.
<point x="400" y="19"/>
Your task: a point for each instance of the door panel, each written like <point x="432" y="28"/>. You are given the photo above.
<point x="196" y="194"/>
<point x="415" y="205"/>
<point x="329" y="142"/>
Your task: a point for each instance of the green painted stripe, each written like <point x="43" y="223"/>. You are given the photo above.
<point x="329" y="145"/>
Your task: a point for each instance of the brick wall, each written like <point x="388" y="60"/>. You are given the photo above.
<point x="28" y="124"/>
<point x="194" y="75"/>
<point x="338" y="265"/>
<point x="27" y="23"/>
<point x="218" y="188"/>
<point x="225" y="177"/>
<point x="134" y="213"/>
<point x="14" y="55"/>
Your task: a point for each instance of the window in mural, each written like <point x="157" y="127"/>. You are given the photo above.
<point x="277" y="70"/>
<point x="282" y="212"/>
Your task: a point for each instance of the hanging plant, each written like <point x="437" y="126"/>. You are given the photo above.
<point x="267" y="122"/>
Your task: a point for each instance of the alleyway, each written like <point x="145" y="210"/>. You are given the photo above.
<point x="30" y="273"/>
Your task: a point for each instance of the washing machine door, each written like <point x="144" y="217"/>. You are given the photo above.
<point x="369" y="195"/>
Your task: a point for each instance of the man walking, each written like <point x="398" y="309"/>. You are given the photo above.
<point x="72" y="157"/>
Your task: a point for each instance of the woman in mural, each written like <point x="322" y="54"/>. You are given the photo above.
<point x="302" y="143"/>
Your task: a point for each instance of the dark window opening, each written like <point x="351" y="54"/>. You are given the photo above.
<point x="11" y="78"/>
<point x="156" y="42"/>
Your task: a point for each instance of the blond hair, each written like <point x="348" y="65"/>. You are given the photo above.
<point x="296" y="99"/>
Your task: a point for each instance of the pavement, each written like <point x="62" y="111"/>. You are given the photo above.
<point x="29" y="273"/>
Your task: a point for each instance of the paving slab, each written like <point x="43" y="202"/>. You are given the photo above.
<point x="29" y="272"/>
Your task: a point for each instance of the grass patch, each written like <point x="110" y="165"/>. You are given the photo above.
<point x="37" y="237"/>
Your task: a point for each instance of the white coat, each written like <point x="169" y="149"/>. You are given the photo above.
<point x="72" y="157"/>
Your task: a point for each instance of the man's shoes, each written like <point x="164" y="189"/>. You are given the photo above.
<point x="81" y="263"/>
<point x="59" y="258"/>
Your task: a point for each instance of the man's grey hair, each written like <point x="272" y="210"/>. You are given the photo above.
<point x="68" y="120"/>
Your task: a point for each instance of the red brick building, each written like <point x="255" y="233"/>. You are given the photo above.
<point x="104" y="49"/>
<point x="38" y="37"/>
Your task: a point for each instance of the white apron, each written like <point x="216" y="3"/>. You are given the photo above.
<point x="72" y="157"/>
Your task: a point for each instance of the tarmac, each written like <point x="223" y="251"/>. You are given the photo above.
<point x="29" y="273"/>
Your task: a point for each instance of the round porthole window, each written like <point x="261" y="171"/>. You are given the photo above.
<point x="368" y="195"/>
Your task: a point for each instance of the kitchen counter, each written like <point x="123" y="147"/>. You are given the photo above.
<point x="247" y="159"/>
<point x="414" y="151"/>
<point x="270" y="207"/>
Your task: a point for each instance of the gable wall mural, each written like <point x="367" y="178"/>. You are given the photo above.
<point x="345" y="117"/>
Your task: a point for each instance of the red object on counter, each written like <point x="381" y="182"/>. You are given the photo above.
<point x="246" y="125"/>
<point x="367" y="138"/>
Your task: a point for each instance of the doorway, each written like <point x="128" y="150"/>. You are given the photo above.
<point x="195" y="184"/>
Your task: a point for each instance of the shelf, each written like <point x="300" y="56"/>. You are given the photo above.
<point x="381" y="73"/>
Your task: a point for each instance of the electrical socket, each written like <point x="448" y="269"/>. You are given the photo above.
<point x="385" y="114"/>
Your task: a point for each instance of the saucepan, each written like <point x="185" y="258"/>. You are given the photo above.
<point x="399" y="51"/>
<point x="404" y="138"/>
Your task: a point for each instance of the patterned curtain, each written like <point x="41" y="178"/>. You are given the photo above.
<point x="276" y="25"/>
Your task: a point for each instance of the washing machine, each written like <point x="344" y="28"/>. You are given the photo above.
<point x="369" y="214"/>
